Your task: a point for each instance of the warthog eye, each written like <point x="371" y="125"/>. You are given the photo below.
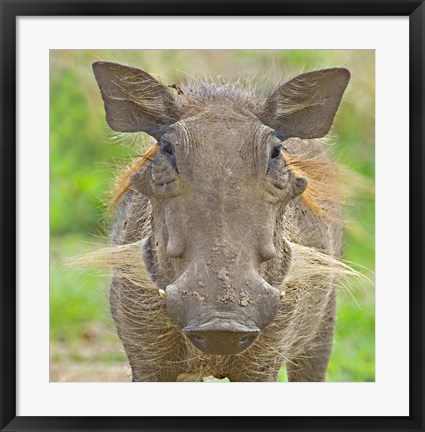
<point x="167" y="149"/>
<point x="276" y="152"/>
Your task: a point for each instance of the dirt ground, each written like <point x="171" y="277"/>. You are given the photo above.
<point x="95" y="357"/>
<point x="69" y="371"/>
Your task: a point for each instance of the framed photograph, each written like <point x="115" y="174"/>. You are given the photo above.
<point x="75" y="334"/>
<point x="317" y="111"/>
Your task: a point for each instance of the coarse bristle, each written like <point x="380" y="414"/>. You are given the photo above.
<point x="322" y="192"/>
<point x="122" y="184"/>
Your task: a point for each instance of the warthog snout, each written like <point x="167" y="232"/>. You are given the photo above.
<point x="220" y="318"/>
<point x="221" y="336"/>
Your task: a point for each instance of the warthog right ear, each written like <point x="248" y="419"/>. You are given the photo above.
<point x="134" y="100"/>
<point x="305" y="106"/>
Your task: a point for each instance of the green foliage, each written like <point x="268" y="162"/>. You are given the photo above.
<point x="82" y="170"/>
<point x="353" y="357"/>
<point x="78" y="149"/>
<point x="77" y="299"/>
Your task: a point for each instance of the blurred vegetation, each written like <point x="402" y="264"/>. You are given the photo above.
<point x="83" y="160"/>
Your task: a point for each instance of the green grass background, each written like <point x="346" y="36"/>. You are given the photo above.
<point x="83" y="159"/>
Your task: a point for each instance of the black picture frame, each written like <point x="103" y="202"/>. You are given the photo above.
<point x="10" y="10"/>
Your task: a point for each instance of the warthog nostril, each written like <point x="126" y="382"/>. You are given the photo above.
<point x="212" y="339"/>
<point x="197" y="339"/>
<point x="246" y="341"/>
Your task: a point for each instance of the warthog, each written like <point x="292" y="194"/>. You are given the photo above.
<point x="226" y="244"/>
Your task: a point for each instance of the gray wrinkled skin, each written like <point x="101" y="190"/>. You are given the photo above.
<point x="216" y="212"/>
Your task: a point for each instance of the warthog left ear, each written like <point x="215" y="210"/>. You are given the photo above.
<point x="305" y="106"/>
<point x="134" y="100"/>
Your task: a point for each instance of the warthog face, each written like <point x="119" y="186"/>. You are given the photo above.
<point x="217" y="185"/>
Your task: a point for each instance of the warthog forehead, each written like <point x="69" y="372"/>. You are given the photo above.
<point x="223" y="142"/>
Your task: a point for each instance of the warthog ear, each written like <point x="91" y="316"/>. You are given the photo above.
<point x="134" y="100"/>
<point x="306" y="106"/>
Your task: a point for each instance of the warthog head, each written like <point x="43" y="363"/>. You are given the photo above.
<point x="217" y="185"/>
